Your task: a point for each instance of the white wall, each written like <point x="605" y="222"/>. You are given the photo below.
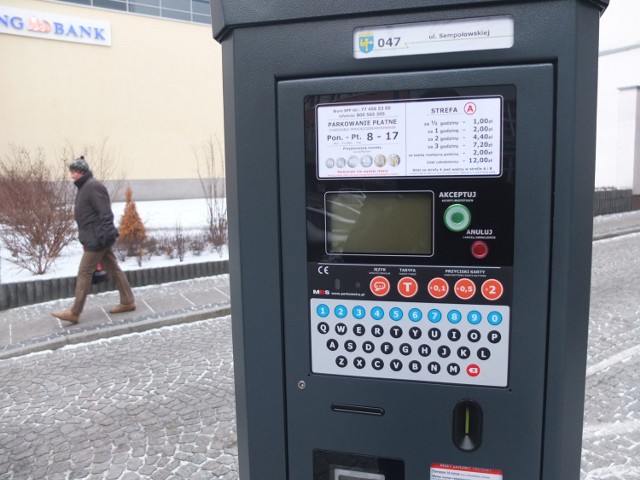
<point x="618" y="113"/>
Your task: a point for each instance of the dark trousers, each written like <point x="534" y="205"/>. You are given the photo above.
<point x="88" y="265"/>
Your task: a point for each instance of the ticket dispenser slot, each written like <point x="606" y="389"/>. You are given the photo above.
<point x="410" y="290"/>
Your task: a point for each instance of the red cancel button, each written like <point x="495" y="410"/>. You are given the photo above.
<point x="479" y="249"/>
<point x="473" y="370"/>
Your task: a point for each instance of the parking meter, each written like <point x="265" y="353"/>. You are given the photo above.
<point x="409" y="187"/>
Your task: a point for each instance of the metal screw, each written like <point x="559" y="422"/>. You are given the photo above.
<point x="302" y="385"/>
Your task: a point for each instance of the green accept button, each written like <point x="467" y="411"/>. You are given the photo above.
<point x="457" y="217"/>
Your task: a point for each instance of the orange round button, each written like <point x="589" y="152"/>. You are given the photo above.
<point x="492" y="289"/>
<point x="438" y="287"/>
<point x="407" y="287"/>
<point x="465" y="288"/>
<point x="379" y="286"/>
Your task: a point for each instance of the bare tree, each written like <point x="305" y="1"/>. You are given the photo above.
<point x="104" y="164"/>
<point x="35" y="209"/>
<point x="210" y="168"/>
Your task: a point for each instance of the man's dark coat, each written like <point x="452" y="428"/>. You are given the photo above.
<point x="96" y="230"/>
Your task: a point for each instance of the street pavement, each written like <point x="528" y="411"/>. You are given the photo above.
<point x="158" y="405"/>
<point x="611" y="438"/>
<point x="33" y="328"/>
<point x="96" y="401"/>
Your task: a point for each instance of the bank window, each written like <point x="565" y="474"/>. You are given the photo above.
<point x="177" y="14"/>
<point x="144" y="9"/>
<point x="111" y="4"/>
<point x="201" y="7"/>
<point x="197" y="11"/>
<point x="176" y="4"/>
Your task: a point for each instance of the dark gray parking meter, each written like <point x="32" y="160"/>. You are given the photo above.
<point x="409" y="186"/>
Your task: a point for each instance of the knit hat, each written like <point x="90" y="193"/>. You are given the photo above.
<point x="79" y="165"/>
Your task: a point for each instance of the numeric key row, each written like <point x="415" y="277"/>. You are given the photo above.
<point x="434" y="315"/>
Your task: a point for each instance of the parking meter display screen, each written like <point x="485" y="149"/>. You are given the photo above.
<point x="379" y="223"/>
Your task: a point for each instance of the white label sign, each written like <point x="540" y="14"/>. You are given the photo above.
<point x="50" y="26"/>
<point x="443" y="137"/>
<point x="484" y="33"/>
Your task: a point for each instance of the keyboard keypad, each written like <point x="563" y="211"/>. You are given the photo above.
<point x="424" y="342"/>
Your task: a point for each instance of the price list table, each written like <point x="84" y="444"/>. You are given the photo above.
<point x="429" y="137"/>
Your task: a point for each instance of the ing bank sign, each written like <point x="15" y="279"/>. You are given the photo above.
<point x="30" y="23"/>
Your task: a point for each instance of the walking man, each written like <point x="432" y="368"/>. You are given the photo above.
<point x="97" y="234"/>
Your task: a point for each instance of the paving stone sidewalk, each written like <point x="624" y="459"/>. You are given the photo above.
<point x="32" y="328"/>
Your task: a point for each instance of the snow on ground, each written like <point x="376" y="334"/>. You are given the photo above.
<point x="191" y="215"/>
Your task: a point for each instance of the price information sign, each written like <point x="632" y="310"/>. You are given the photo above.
<point x="440" y="137"/>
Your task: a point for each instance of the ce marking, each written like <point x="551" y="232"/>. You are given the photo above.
<point x="323" y="270"/>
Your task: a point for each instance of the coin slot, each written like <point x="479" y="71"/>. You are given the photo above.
<point x="467" y="425"/>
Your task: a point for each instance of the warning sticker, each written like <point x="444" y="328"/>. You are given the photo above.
<point x="440" y="471"/>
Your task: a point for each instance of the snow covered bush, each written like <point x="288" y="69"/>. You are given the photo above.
<point x="36" y="214"/>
